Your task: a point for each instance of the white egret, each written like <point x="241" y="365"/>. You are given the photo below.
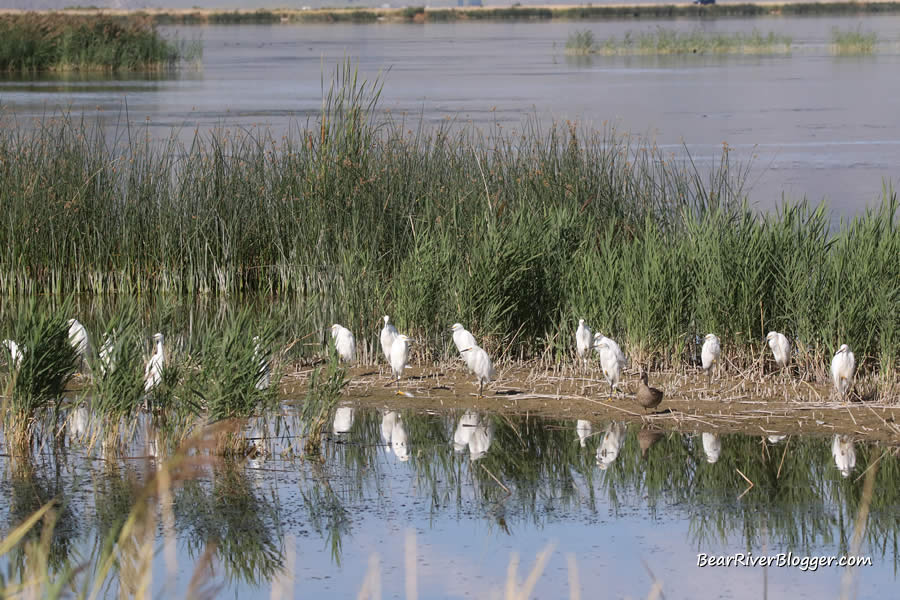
<point x="583" y="429"/>
<point x="781" y="348"/>
<point x="464" y="429"/>
<point x="263" y="372"/>
<point x="154" y="368"/>
<point x="387" y="425"/>
<point x="709" y="354"/>
<point x="612" y="359"/>
<point x="611" y="445"/>
<point x="399" y="437"/>
<point x="844" y="454"/>
<point x="78" y="337"/>
<point x="583" y="341"/>
<point x="107" y="362"/>
<point x="712" y="446"/>
<point x="480" y="439"/>
<point x="388" y="334"/>
<point x="343" y="419"/>
<point x="344" y="343"/>
<point x="15" y="354"/>
<point x="843" y="366"/>
<point x="399" y="357"/>
<point x="462" y="338"/>
<point x="479" y="363"/>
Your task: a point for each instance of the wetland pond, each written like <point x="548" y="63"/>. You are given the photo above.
<point x="809" y="122"/>
<point x="443" y="498"/>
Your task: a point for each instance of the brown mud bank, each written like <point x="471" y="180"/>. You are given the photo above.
<point x="773" y="405"/>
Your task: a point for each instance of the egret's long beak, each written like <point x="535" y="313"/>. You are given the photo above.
<point x="464" y="350"/>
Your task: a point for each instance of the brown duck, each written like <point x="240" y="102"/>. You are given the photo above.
<point x="647" y="396"/>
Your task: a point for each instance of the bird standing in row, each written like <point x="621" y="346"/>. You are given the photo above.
<point x="389" y="333"/>
<point x="781" y="348"/>
<point x="479" y="363"/>
<point x="583" y="341"/>
<point x="78" y="337"/>
<point x="843" y="366"/>
<point x="648" y="397"/>
<point x="344" y="343"/>
<point x="612" y="359"/>
<point x="399" y="357"/>
<point x="709" y="354"/>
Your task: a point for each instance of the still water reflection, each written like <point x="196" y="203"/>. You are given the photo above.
<point x="474" y="487"/>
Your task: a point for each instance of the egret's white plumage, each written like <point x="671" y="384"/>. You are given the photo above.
<point x="387" y="425"/>
<point x="388" y="335"/>
<point x="583" y="429"/>
<point x="399" y="438"/>
<point x="612" y="359"/>
<point x="464" y="429"/>
<point x="843" y="366"/>
<point x="712" y="447"/>
<point x="78" y="423"/>
<point x="462" y="338"/>
<point x="263" y="372"/>
<point x="479" y="363"/>
<point x="844" y="454"/>
<point x="343" y="419"/>
<point x="709" y="354"/>
<point x="399" y="356"/>
<point x="344" y="343"/>
<point x="78" y="337"/>
<point x="154" y="368"/>
<point x="774" y="439"/>
<point x="611" y="445"/>
<point x="107" y="362"/>
<point x="781" y="348"/>
<point x="15" y="354"/>
<point x="480" y="439"/>
<point x="583" y="341"/>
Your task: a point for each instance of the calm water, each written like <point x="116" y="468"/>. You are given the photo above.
<point x="810" y="123"/>
<point x="472" y="489"/>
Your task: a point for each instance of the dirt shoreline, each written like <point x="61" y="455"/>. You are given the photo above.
<point x="772" y="406"/>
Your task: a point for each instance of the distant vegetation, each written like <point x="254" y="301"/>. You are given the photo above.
<point x="853" y="41"/>
<point x="59" y="42"/>
<point x="668" y="41"/>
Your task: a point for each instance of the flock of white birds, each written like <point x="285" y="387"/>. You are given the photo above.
<point x="395" y="347"/>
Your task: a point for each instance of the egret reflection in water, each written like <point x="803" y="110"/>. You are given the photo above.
<point x="844" y="454"/>
<point x="712" y="447"/>
<point x="343" y="419"/>
<point x="611" y="445"/>
<point x="463" y="432"/>
<point x="583" y="429"/>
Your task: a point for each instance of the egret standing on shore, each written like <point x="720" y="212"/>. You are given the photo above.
<point x="344" y="343"/>
<point x="388" y="335"/>
<point x="399" y="357"/>
<point x="612" y="359"/>
<point x="462" y="338"/>
<point x="843" y="366"/>
<point x="479" y="363"/>
<point x="709" y="354"/>
<point x="781" y="348"/>
<point x="154" y="368"/>
<point x="583" y="341"/>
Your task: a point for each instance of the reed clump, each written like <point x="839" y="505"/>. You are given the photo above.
<point x="853" y="41"/>
<point x="32" y="42"/>
<point x="670" y="41"/>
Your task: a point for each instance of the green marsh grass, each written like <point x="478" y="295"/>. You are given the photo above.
<point x="670" y="41"/>
<point x="33" y="391"/>
<point x="32" y="42"/>
<point x="514" y="234"/>
<point x="853" y="41"/>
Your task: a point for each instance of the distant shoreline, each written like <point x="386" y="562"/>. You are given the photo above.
<point x="421" y="14"/>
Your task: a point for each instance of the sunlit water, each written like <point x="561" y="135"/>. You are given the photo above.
<point x="810" y="123"/>
<point x="472" y="489"/>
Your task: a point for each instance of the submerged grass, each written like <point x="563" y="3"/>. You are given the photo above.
<point x="514" y="234"/>
<point x="669" y="41"/>
<point x="32" y="42"/>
